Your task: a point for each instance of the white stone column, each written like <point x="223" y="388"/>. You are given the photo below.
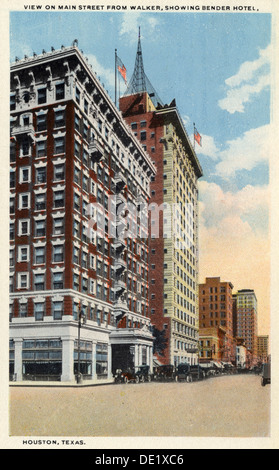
<point x="136" y="364"/>
<point x="150" y="363"/>
<point x="94" y="372"/>
<point x="109" y="362"/>
<point x="68" y="359"/>
<point x="18" y="358"/>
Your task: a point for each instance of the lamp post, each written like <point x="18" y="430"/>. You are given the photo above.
<point x="81" y="316"/>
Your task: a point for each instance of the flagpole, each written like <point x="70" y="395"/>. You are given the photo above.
<point x="194" y="134"/>
<point x="115" y="85"/>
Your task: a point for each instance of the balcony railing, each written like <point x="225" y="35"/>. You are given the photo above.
<point x="24" y="130"/>
<point x="96" y="150"/>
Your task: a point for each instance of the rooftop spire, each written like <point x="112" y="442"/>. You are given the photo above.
<point x="139" y="81"/>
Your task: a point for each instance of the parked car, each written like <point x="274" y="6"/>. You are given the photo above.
<point x="266" y="374"/>
<point x="166" y="372"/>
<point x="130" y="375"/>
<point x="208" y="369"/>
<point x="144" y="373"/>
<point x="136" y="375"/>
<point x="189" y="373"/>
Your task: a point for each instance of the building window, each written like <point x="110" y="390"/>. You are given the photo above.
<point x="57" y="310"/>
<point x="77" y="95"/>
<point x="59" y="145"/>
<point x="42" y="95"/>
<point x="39" y="308"/>
<point x="76" y="228"/>
<point x="58" y="199"/>
<point x="60" y="91"/>
<point x="40" y="228"/>
<point x="41" y="122"/>
<point x="23" y="227"/>
<point x="23" y="310"/>
<point x="41" y="175"/>
<point x="12" y="102"/>
<point x="76" y="201"/>
<point x="143" y="135"/>
<point x="58" y="280"/>
<point x="40" y="202"/>
<point x="59" y="119"/>
<point x="12" y="204"/>
<point x="76" y="252"/>
<point x="24" y="174"/>
<point x="39" y="255"/>
<point x="59" y="172"/>
<point x="12" y="179"/>
<point x="41" y="149"/>
<point x="58" y="253"/>
<point x="12" y="230"/>
<point x="76" y="282"/>
<point x="84" y="284"/>
<point x="142" y="123"/>
<point x="58" y="226"/>
<point x="25" y="148"/>
<point x="23" y="281"/>
<point x="23" y="253"/>
<point x="39" y="281"/>
<point x="12" y="152"/>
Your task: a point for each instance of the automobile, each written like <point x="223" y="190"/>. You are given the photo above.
<point x="207" y="369"/>
<point x="130" y="375"/>
<point x="189" y="373"/>
<point x="133" y="374"/>
<point x="165" y="372"/>
<point x="266" y="374"/>
<point x="144" y="373"/>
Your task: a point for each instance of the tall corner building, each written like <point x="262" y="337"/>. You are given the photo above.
<point x="173" y="251"/>
<point x="73" y="163"/>
<point x="246" y="319"/>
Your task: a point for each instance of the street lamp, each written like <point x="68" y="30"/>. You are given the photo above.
<point x="81" y="316"/>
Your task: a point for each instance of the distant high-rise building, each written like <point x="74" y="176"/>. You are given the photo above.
<point x="216" y="310"/>
<point x="263" y="347"/>
<point x="246" y="319"/>
<point x="173" y="254"/>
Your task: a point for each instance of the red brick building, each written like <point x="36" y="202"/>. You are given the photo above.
<point x="173" y="235"/>
<point x="216" y="310"/>
<point x="74" y="162"/>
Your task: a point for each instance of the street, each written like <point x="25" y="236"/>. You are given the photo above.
<point x="227" y="406"/>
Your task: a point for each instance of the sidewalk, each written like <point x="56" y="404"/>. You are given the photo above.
<point x="84" y="383"/>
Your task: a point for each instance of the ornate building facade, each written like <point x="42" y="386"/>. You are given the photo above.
<point x="74" y="167"/>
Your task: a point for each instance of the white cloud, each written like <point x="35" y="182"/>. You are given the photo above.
<point x="234" y="210"/>
<point x="131" y="23"/>
<point x="245" y="152"/>
<point x="251" y="79"/>
<point x="208" y="147"/>
<point x="107" y="75"/>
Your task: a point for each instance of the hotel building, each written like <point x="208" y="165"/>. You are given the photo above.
<point x="74" y="167"/>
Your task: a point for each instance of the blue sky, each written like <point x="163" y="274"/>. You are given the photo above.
<point x="217" y="66"/>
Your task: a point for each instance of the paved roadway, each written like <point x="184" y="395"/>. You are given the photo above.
<point x="227" y="406"/>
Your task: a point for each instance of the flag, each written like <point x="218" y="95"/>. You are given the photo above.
<point x="121" y="69"/>
<point x="197" y="137"/>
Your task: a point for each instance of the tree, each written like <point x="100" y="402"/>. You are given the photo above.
<point x="160" y="341"/>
